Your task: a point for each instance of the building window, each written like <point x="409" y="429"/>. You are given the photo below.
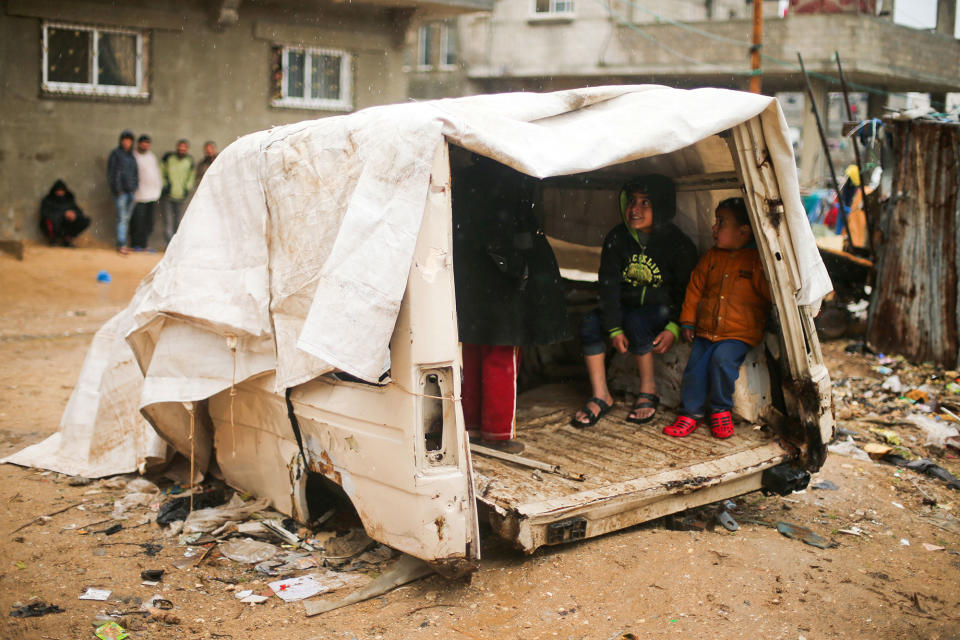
<point x="83" y="60"/>
<point x="437" y="46"/>
<point x="552" y="8"/>
<point x="312" y="78"/>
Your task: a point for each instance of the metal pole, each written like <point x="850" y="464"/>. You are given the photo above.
<point x="823" y="140"/>
<point x="856" y="155"/>
<point x="755" y="71"/>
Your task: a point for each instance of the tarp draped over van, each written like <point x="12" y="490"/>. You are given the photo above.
<point x="294" y="253"/>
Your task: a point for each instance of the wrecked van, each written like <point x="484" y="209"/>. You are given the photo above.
<point x="301" y="331"/>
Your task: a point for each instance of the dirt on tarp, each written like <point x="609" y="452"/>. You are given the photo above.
<point x="893" y="575"/>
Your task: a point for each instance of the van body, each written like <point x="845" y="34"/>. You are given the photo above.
<point x="399" y="447"/>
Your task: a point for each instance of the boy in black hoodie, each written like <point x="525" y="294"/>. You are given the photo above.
<point x="60" y="217"/>
<point x="644" y="268"/>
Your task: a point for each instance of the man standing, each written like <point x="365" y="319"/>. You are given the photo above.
<point x="209" y="155"/>
<point x="179" y="176"/>
<point x="147" y="194"/>
<point x="123" y="178"/>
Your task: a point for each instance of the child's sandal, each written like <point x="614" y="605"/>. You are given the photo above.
<point x="681" y="427"/>
<point x="721" y="424"/>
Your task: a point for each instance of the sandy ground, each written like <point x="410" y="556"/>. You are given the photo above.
<point x="647" y="581"/>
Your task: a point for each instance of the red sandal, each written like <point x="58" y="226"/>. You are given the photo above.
<point x="681" y="427"/>
<point x="721" y="424"/>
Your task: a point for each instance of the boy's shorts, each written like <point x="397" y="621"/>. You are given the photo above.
<point x="641" y="326"/>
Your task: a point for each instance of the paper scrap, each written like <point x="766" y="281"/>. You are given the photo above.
<point x="294" y="589"/>
<point x="93" y="593"/>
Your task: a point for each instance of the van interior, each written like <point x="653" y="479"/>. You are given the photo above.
<point x="584" y="468"/>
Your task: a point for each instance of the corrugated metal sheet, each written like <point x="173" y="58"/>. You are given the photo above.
<point x="914" y="308"/>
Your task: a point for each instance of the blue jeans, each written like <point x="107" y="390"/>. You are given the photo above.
<point x="711" y="373"/>
<point x="123" y="203"/>
<point x="640" y="325"/>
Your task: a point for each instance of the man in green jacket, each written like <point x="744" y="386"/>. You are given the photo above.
<point x="179" y="178"/>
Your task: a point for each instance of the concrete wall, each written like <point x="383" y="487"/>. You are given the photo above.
<point x="204" y="84"/>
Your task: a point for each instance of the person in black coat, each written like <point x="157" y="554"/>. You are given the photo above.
<point x="61" y="219"/>
<point x="508" y="292"/>
<point x="645" y="265"/>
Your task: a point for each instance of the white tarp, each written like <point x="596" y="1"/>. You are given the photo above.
<point x="295" y="250"/>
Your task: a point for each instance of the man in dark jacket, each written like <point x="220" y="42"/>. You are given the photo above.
<point x="644" y="267"/>
<point x="123" y="180"/>
<point x="60" y="217"/>
<point x="508" y="293"/>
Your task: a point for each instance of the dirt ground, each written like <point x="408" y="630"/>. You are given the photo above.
<point x="647" y="581"/>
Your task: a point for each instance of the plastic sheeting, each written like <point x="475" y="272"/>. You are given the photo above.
<point x="294" y="253"/>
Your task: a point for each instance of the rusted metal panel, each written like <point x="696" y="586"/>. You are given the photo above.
<point x="913" y="310"/>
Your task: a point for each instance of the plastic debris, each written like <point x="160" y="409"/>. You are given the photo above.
<point x="850" y="449"/>
<point x="179" y="508"/>
<point x="825" y="485"/>
<point x="111" y="631"/>
<point x="936" y="431"/>
<point x="889" y="435"/>
<point x="797" y="532"/>
<point x="897" y="505"/>
<point x="93" y="593"/>
<point x="103" y="276"/>
<point x="35" y="610"/>
<point x="924" y="466"/>
<point x="208" y="519"/>
<point x="247" y="596"/>
<point x="247" y="550"/>
<point x="904" y="542"/>
<point x="152" y="574"/>
<point x="892" y="383"/>
<point x="353" y="543"/>
<point x="932" y="547"/>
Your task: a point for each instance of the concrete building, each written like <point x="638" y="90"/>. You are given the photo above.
<point x="77" y="72"/>
<point x="545" y="45"/>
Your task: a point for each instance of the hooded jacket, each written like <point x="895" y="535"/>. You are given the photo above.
<point x="641" y="269"/>
<point x="122" y="173"/>
<point x="53" y="208"/>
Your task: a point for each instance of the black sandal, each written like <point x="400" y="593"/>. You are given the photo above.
<point x="644" y="401"/>
<point x="592" y="417"/>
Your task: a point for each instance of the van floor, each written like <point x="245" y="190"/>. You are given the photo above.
<point x="611" y="452"/>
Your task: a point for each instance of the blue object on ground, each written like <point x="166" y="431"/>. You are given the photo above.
<point x="103" y="276"/>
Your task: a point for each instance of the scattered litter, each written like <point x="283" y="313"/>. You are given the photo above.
<point x="287" y="536"/>
<point x="932" y="547"/>
<point x="178" y="508"/>
<point x="131" y="501"/>
<point x="797" y="532"/>
<point x="944" y="520"/>
<point x="925" y="466"/>
<point x="937" y="431"/>
<point x="152" y="574"/>
<point x="92" y="593"/>
<point x="247" y="596"/>
<point x="892" y="383"/>
<point x="850" y="449"/>
<point x="35" y="610"/>
<point x="379" y="554"/>
<point x="111" y="630"/>
<point x="825" y="485"/>
<point x="247" y="550"/>
<point x="904" y="542"/>
<point x="889" y="435"/>
<point x="346" y="546"/>
<point x="897" y="505"/>
<point x="876" y="450"/>
<point x="727" y="521"/>
<point x="103" y="276"/>
<point x="406" y="569"/>
<point x="294" y="589"/>
<point x="852" y="531"/>
<point x="208" y="519"/>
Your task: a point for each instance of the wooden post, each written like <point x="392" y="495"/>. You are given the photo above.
<point x="755" y="70"/>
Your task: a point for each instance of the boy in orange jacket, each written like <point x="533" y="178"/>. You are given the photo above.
<point x="724" y="311"/>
